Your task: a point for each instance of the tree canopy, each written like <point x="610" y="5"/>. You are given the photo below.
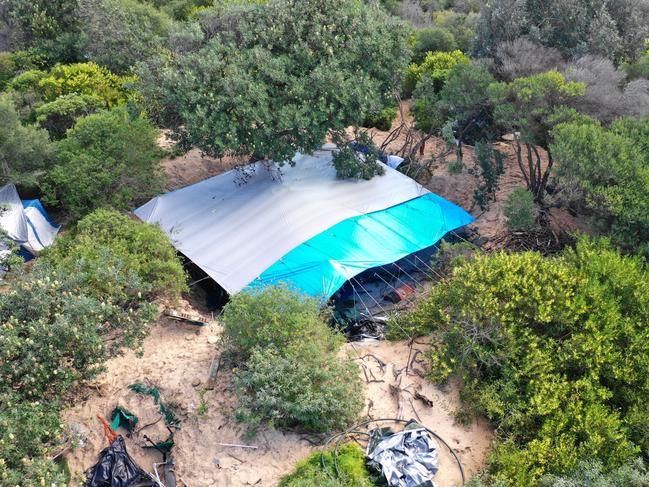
<point x="272" y="79"/>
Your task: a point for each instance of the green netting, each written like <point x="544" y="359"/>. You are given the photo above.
<point x="170" y="418"/>
<point x="124" y="418"/>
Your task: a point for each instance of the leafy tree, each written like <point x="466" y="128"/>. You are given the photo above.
<point x="434" y="70"/>
<point x="461" y="24"/>
<point x="25" y="152"/>
<point x="272" y="79"/>
<point x="141" y="248"/>
<point x="522" y="57"/>
<point x="520" y="210"/>
<point x="491" y="164"/>
<point x="49" y="28"/>
<point x="553" y="351"/>
<point x="463" y="100"/>
<point x="352" y="164"/>
<point x="381" y="120"/>
<point x="530" y="107"/>
<point x="607" y="173"/>
<point x="85" y="79"/>
<point x="431" y="39"/>
<point x="611" y="29"/>
<point x="119" y="33"/>
<point x="107" y="159"/>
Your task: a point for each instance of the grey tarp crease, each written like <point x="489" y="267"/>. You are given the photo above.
<point x="406" y="459"/>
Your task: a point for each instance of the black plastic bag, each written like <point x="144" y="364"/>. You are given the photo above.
<point x="115" y="468"/>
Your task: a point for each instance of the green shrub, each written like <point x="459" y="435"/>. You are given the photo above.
<point x="273" y="317"/>
<point x="381" y="120"/>
<point x="53" y="326"/>
<point x="107" y="159"/>
<point x="291" y="374"/>
<point x="7" y="68"/>
<point x="25" y="152"/>
<point x="553" y="351"/>
<point x="85" y="79"/>
<point x="311" y="473"/>
<point x="431" y="39"/>
<point x="305" y="386"/>
<point x="592" y="474"/>
<point x="436" y="67"/>
<point x="455" y="167"/>
<point x="520" y="210"/>
<point x="61" y="114"/>
<point x="140" y="248"/>
<point x="605" y="172"/>
<point x="29" y="430"/>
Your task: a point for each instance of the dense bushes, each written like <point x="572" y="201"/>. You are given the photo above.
<point x="85" y="299"/>
<point x="435" y="68"/>
<point x="131" y="246"/>
<point x="290" y="375"/>
<point x="381" y="120"/>
<point x="108" y="159"/>
<point x="311" y="473"/>
<point x="606" y="172"/>
<point x="592" y="474"/>
<point x="25" y="152"/>
<point x="554" y="351"/>
<point x="520" y="210"/>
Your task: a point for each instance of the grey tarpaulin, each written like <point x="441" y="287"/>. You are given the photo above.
<point x="406" y="459"/>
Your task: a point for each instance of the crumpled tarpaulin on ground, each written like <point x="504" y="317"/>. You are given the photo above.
<point x="115" y="468"/>
<point x="406" y="459"/>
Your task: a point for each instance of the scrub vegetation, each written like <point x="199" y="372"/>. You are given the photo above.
<point x="551" y="349"/>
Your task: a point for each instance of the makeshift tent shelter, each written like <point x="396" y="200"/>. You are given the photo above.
<point x="300" y="224"/>
<point x="25" y="222"/>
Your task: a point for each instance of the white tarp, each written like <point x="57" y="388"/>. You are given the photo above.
<point x="12" y="216"/>
<point x="28" y="227"/>
<point x="234" y="231"/>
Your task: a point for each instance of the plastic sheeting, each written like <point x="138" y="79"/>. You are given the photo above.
<point x="235" y="231"/>
<point x="115" y="468"/>
<point x="26" y="222"/>
<point x="322" y="264"/>
<point x="406" y="459"/>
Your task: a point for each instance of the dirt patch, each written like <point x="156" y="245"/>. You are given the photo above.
<point x="194" y="166"/>
<point x="177" y="358"/>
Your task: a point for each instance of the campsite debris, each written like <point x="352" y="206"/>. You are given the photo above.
<point x="399" y="293"/>
<point x="407" y="458"/>
<point x="238" y="446"/>
<point x="196" y="382"/>
<point x="170" y="418"/>
<point x="115" y="468"/>
<point x="212" y="340"/>
<point x="179" y="316"/>
<point x="214" y="371"/>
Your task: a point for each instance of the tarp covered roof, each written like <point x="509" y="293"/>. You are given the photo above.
<point x="260" y="230"/>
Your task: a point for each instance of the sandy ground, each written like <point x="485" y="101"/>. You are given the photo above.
<point x="177" y="359"/>
<point x="459" y="188"/>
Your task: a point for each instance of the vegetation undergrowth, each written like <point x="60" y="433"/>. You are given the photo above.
<point x="311" y="473"/>
<point x="290" y="373"/>
<point x="553" y="351"/>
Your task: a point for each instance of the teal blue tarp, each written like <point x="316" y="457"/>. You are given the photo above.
<point x="323" y="263"/>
